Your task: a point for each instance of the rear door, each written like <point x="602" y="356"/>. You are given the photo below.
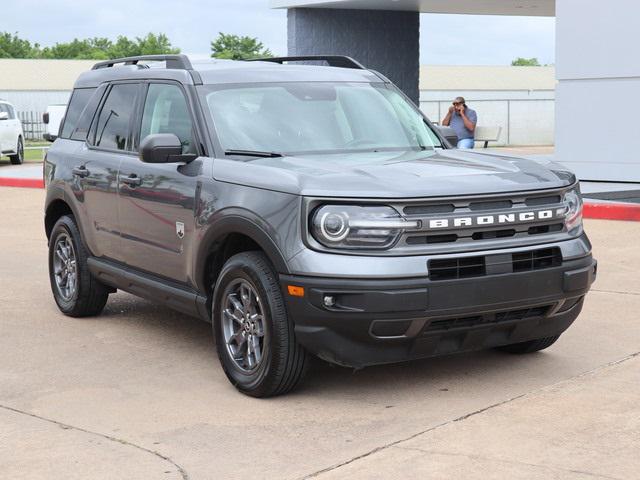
<point x="95" y="169"/>
<point x="15" y="127"/>
<point x="156" y="201"/>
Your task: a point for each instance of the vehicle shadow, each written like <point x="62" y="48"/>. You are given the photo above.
<point x="181" y="332"/>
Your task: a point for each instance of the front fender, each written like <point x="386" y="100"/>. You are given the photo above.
<point x="240" y="221"/>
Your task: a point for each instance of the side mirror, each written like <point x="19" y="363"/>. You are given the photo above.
<point x="163" y="148"/>
<point x="4" y="116"/>
<point x="449" y="134"/>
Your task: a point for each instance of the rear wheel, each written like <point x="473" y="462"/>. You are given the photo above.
<point x="254" y="336"/>
<point x="530" y="346"/>
<point x="18" y="158"/>
<point x="76" y="292"/>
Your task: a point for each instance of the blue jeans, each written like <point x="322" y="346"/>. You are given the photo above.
<point x="466" y="143"/>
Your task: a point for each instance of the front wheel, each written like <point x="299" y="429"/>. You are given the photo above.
<point x="254" y="336"/>
<point x="18" y="158"/>
<point x="530" y="346"/>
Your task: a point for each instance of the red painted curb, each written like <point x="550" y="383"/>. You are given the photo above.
<point x="612" y="211"/>
<point x="21" y="182"/>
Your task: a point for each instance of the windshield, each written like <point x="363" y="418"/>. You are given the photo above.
<point x="319" y="117"/>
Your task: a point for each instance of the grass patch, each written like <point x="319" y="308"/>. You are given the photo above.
<point x="35" y="155"/>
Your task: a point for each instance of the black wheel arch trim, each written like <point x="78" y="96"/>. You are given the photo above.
<point x="241" y="222"/>
<point x="56" y="194"/>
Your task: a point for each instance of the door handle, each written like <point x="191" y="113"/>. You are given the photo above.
<point x="80" y="171"/>
<point x="132" y="180"/>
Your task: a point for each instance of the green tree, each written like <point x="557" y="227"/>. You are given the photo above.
<point x="12" y="46"/>
<point x="525" y="62"/>
<point x="90" y="48"/>
<point x="152" y="44"/>
<point x="235" y="47"/>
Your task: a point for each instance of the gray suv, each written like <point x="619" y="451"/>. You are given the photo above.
<point x="305" y="210"/>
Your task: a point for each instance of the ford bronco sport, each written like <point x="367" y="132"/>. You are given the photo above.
<point x="305" y="209"/>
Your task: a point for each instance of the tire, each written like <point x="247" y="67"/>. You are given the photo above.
<point x="530" y="346"/>
<point x="85" y="296"/>
<point x="18" y="158"/>
<point x="282" y="361"/>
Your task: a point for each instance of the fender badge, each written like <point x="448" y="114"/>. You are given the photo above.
<point x="180" y="229"/>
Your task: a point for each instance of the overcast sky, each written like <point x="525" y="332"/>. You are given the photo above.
<point x="192" y="24"/>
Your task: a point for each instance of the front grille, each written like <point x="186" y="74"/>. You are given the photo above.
<point x="468" y="267"/>
<point x="502" y="209"/>
<point x="536" y="259"/>
<point x="454" y="268"/>
<point x="487" y="318"/>
<point x="521" y="314"/>
<point x="541" y="229"/>
<point x="485" y="235"/>
<point x="539" y="201"/>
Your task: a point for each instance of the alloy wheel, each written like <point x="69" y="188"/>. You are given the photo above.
<point x="65" y="268"/>
<point x="243" y="325"/>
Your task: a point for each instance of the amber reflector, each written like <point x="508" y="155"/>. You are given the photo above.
<point x="295" y="291"/>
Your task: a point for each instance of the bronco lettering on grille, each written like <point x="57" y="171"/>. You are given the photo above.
<point x="496" y="219"/>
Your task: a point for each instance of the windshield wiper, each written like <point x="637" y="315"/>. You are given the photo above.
<point x="253" y="153"/>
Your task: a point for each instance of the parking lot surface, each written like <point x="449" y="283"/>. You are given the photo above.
<point x="138" y="393"/>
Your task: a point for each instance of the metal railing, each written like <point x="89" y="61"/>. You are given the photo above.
<point x="32" y="125"/>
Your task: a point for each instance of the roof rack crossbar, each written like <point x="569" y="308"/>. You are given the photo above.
<point x="179" y="61"/>
<point x="333" y="60"/>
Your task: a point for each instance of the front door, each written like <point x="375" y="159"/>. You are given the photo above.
<point x="156" y="202"/>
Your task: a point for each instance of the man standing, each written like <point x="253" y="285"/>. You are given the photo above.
<point x="463" y="121"/>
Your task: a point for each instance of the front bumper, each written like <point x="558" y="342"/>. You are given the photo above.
<point x="373" y="321"/>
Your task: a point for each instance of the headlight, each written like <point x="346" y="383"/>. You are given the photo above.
<point x="572" y="209"/>
<point x="349" y="226"/>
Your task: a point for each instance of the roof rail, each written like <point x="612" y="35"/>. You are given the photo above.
<point x="179" y="61"/>
<point x="333" y="60"/>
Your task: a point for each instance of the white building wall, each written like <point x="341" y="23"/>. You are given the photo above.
<point x="35" y="100"/>
<point x="526" y="117"/>
<point x="598" y="92"/>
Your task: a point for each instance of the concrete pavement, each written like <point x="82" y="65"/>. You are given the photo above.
<point x="138" y="392"/>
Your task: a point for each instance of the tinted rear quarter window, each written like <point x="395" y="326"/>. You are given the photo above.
<point x="84" y="122"/>
<point x="112" y="130"/>
<point x="78" y="102"/>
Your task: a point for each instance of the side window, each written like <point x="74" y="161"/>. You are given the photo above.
<point x="112" y="128"/>
<point x="78" y="101"/>
<point x="12" y="112"/>
<point x="83" y="125"/>
<point x="166" y="111"/>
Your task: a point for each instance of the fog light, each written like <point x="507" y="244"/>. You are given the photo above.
<point x="329" y="301"/>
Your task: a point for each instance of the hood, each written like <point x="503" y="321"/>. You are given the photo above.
<point x="410" y="174"/>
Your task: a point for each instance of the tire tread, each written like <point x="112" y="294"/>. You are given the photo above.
<point x="292" y="360"/>
<point x="92" y="294"/>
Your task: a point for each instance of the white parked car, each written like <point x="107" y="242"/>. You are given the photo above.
<point x="11" y="134"/>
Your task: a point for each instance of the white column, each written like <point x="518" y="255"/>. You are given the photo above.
<point x="598" y="92"/>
